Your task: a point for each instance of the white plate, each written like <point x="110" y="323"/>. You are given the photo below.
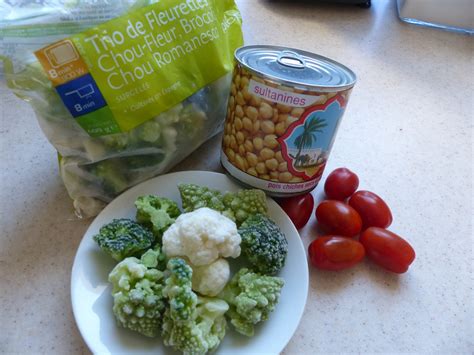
<point x="90" y="291"/>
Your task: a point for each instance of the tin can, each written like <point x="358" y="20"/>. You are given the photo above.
<point x="284" y="109"/>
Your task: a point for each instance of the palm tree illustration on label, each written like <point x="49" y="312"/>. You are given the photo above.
<point x="306" y="143"/>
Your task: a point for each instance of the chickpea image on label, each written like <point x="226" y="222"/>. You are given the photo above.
<point x="267" y="153"/>
<point x="258" y="143"/>
<point x="285" y="177"/>
<point x="248" y="145"/>
<point x="261" y="168"/>
<point x="270" y="141"/>
<point x="251" y="112"/>
<point x="271" y="164"/>
<point x="267" y="127"/>
<point x="266" y="111"/>
<point x="247" y="124"/>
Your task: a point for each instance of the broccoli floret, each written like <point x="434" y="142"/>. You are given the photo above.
<point x="264" y="245"/>
<point x="157" y="213"/>
<point x="237" y="206"/>
<point x="191" y="324"/>
<point x="194" y="197"/>
<point x="245" y="203"/>
<point x="110" y="174"/>
<point x="123" y="237"/>
<point x="138" y="293"/>
<point x="251" y="297"/>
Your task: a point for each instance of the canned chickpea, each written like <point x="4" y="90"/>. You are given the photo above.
<point x="284" y="110"/>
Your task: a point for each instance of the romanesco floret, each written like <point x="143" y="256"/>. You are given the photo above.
<point x="191" y="324"/>
<point x="251" y="298"/>
<point x="157" y="213"/>
<point x="245" y="203"/>
<point x="237" y="206"/>
<point x="137" y="289"/>
<point x="179" y="291"/>
<point x="123" y="237"/>
<point x="264" y="245"/>
<point x="194" y="197"/>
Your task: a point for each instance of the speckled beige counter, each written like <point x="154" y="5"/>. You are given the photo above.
<point x="408" y="134"/>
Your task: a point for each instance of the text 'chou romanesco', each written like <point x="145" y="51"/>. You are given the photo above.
<point x="251" y="298"/>
<point x="137" y="289"/>
<point x="191" y="324"/>
<point x="238" y="206"/>
<point x="123" y="237"/>
<point x="264" y="245"/>
<point x="157" y="213"/>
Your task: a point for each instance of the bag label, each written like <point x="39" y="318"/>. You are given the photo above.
<point x="144" y="62"/>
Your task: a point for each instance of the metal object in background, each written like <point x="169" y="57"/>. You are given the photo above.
<point x="452" y="15"/>
<point x="284" y="110"/>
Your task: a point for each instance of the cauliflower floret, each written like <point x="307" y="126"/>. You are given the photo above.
<point x="203" y="236"/>
<point x="210" y="280"/>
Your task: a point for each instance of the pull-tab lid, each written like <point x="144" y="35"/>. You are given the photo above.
<point x="296" y="67"/>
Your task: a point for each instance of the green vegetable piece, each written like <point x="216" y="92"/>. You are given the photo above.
<point x="137" y="289"/>
<point x="237" y="206"/>
<point x="245" y="203"/>
<point x="194" y="197"/>
<point x="123" y="237"/>
<point x="149" y="132"/>
<point x="110" y="174"/>
<point x="156" y="213"/>
<point x="143" y="162"/>
<point x="118" y="141"/>
<point x="264" y="245"/>
<point x="191" y="324"/>
<point x="178" y="290"/>
<point x="251" y="297"/>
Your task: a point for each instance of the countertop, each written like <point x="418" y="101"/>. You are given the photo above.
<point x="407" y="132"/>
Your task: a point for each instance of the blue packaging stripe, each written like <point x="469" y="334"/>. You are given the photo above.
<point x="81" y="95"/>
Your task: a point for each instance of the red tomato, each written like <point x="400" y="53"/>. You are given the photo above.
<point x="298" y="208"/>
<point x="340" y="184"/>
<point x="335" y="253"/>
<point x="336" y="217"/>
<point x="387" y="249"/>
<point x="372" y="209"/>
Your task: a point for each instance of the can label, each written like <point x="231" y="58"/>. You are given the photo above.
<point x="278" y="138"/>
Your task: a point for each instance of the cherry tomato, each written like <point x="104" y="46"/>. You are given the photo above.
<point x="372" y="209"/>
<point x="336" y="217"/>
<point x="335" y="253"/>
<point x="298" y="208"/>
<point x="387" y="249"/>
<point x="341" y="184"/>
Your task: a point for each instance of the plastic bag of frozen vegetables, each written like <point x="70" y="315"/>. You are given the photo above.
<point x="123" y="89"/>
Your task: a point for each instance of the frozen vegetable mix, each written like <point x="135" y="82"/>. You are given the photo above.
<point x="189" y="278"/>
<point x="124" y="89"/>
